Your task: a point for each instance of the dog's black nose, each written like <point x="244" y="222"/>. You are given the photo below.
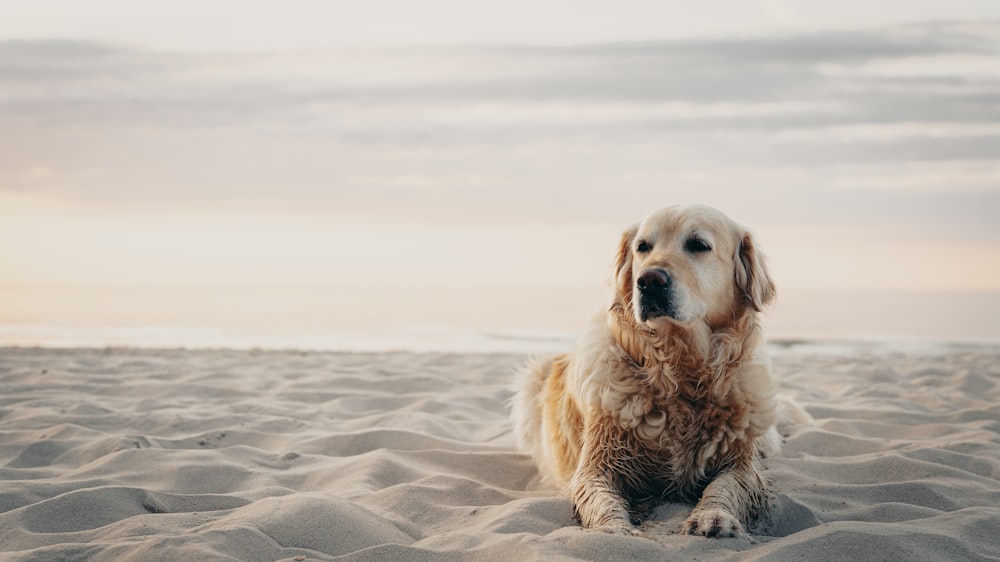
<point x="652" y="280"/>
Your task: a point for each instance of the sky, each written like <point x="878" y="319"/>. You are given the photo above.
<point x="294" y="25"/>
<point x="506" y="144"/>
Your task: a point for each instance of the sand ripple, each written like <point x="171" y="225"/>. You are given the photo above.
<point x="226" y="455"/>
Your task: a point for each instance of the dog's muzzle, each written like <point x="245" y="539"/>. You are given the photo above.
<point x="655" y="294"/>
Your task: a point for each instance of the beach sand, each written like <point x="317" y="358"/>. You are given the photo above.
<point x="126" y="454"/>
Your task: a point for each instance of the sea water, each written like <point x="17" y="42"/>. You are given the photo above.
<point x="453" y="319"/>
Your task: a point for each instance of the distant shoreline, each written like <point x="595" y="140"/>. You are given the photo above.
<point x="777" y="347"/>
<point x="472" y="320"/>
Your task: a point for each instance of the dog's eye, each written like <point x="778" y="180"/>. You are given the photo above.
<point x="642" y="247"/>
<point x="696" y="246"/>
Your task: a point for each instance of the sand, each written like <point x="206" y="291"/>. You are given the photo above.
<point x="120" y="454"/>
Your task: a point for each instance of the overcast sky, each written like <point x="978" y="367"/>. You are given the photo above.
<point x="139" y="144"/>
<point x="260" y="25"/>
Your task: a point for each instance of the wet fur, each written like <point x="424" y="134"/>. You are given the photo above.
<point x="645" y="412"/>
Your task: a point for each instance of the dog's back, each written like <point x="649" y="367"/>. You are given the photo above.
<point x="546" y="424"/>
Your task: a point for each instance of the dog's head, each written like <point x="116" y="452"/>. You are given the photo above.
<point x="682" y="265"/>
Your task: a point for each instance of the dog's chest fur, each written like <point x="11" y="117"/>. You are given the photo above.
<point x="678" y="430"/>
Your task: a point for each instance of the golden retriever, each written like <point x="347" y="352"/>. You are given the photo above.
<point x="668" y="393"/>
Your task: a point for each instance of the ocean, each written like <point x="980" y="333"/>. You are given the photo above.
<point x="451" y="319"/>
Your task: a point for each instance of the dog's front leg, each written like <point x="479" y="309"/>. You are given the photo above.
<point x="595" y="486"/>
<point x="730" y="501"/>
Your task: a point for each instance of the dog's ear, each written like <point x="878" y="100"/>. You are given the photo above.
<point x="623" y="262"/>
<point x="752" y="277"/>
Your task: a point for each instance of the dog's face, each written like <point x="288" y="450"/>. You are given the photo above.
<point x="686" y="264"/>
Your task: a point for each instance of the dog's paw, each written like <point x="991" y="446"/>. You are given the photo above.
<point x="712" y="523"/>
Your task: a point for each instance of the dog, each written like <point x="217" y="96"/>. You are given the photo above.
<point x="668" y="394"/>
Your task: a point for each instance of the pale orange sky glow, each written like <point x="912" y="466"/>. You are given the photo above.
<point x="50" y="243"/>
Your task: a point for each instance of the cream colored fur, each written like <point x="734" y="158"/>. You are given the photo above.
<point x="677" y="406"/>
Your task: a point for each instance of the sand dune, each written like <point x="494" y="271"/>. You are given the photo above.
<point x="236" y="455"/>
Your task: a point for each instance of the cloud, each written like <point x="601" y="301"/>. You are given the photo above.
<point x="590" y="132"/>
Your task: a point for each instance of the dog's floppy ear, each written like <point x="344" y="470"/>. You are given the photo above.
<point x="752" y="277"/>
<point x="623" y="262"/>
